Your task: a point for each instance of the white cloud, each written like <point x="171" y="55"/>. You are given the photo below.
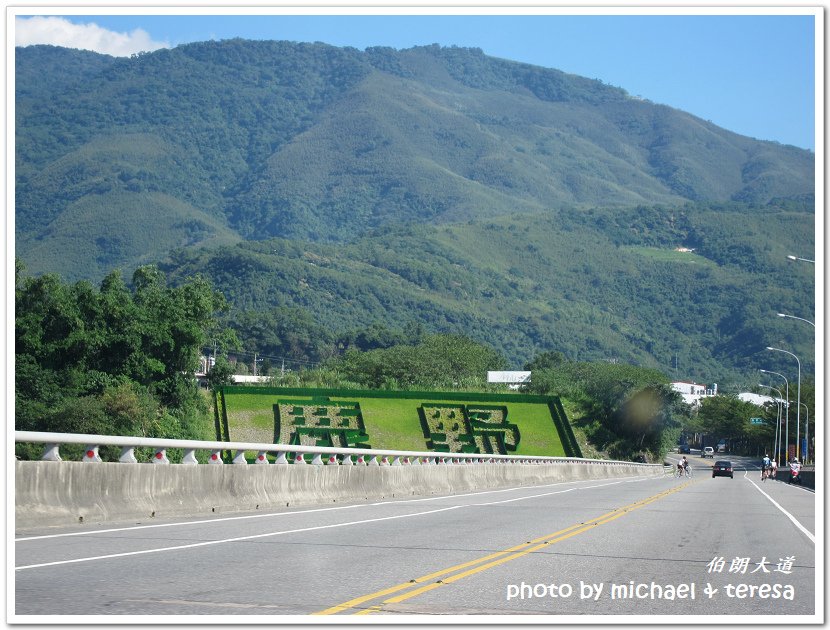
<point x="61" y="32"/>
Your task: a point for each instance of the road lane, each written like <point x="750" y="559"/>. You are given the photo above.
<point x="309" y="561"/>
<point x="673" y="542"/>
<point x="40" y="547"/>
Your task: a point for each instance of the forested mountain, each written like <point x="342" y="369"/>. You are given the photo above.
<point x="523" y="206"/>
<point x="595" y="285"/>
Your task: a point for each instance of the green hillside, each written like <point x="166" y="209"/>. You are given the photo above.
<point x="344" y="199"/>
<point x="264" y="139"/>
<point x="602" y="286"/>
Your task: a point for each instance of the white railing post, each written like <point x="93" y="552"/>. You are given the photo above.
<point x="51" y="453"/>
<point x="91" y="454"/>
<point x="320" y="455"/>
<point x="128" y="455"/>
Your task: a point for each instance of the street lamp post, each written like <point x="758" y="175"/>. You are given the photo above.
<point x="798" y="318"/>
<point x="787" y="425"/>
<point x="807" y="260"/>
<point x="798" y="408"/>
<point x="776" y="439"/>
<point x="806" y="432"/>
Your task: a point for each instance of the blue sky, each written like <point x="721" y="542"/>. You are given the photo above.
<point x="752" y="74"/>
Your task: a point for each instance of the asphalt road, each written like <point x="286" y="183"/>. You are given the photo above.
<point x="628" y="546"/>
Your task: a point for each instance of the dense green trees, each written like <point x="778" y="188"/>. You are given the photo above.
<point x="531" y="283"/>
<point x="288" y="332"/>
<point x="121" y="359"/>
<point x="111" y="360"/>
<point x="727" y="417"/>
<point x="440" y="361"/>
<point x="624" y="410"/>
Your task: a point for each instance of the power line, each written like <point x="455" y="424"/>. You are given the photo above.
<point x="210" y="351"/>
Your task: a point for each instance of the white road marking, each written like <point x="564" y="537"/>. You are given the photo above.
<point x="290" y="531"/>
<point x="787" y="514"/>
<point x="309" y="511"/>
<point x="228" y="540"/>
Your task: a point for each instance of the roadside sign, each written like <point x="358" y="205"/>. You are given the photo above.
<point x="756" y="421"/>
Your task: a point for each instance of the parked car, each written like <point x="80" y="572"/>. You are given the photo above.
<point x="684" y="448"/>
<point x="722" y="468"/>
<point x="708" y="452"/>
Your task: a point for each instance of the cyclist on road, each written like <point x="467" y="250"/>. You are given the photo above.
<point x="766" y="466"/>
<point x="682" y="466"/>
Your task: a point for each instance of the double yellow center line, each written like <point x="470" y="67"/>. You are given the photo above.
<point x="460" y="571"/>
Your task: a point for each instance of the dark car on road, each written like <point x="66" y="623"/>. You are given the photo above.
<point x="684" y="448"/>
<point x="722" y="468"/>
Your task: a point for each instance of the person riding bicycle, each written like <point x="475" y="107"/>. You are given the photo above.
<point x="682" y="466"/>
<point x="766" y="466"/>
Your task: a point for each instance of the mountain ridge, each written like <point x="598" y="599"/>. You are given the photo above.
<point x="316" y="142"/>
<point x="526" y="207"/>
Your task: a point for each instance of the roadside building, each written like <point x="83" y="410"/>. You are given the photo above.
<point x="693" y="392"/>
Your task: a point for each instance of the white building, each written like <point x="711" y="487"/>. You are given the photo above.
<point x="693" y="392"/>
<point x="514" y="380"/>
<point x="760" y="399"/>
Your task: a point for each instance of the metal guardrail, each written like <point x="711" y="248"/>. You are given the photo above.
<point x="321" y="454"/>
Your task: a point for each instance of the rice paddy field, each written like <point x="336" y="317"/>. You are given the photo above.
<point x="391" y="420"/>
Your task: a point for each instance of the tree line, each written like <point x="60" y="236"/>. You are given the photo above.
<point x="114" y="359"/>
<point x="120" y="359"/>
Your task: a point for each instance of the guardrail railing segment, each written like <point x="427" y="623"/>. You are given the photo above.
<point x="283" y="453"/>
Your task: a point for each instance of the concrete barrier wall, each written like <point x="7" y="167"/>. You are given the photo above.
<point x="807" y="474"/>
<point x="66" y="493"/>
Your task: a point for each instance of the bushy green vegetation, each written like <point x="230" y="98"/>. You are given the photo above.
<point x="439" y="361"/>
<point x="112" y="360"/>
<point x="622" y="410"/>
<point x="727" y="417"/>
<point x="120" y="360"/>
